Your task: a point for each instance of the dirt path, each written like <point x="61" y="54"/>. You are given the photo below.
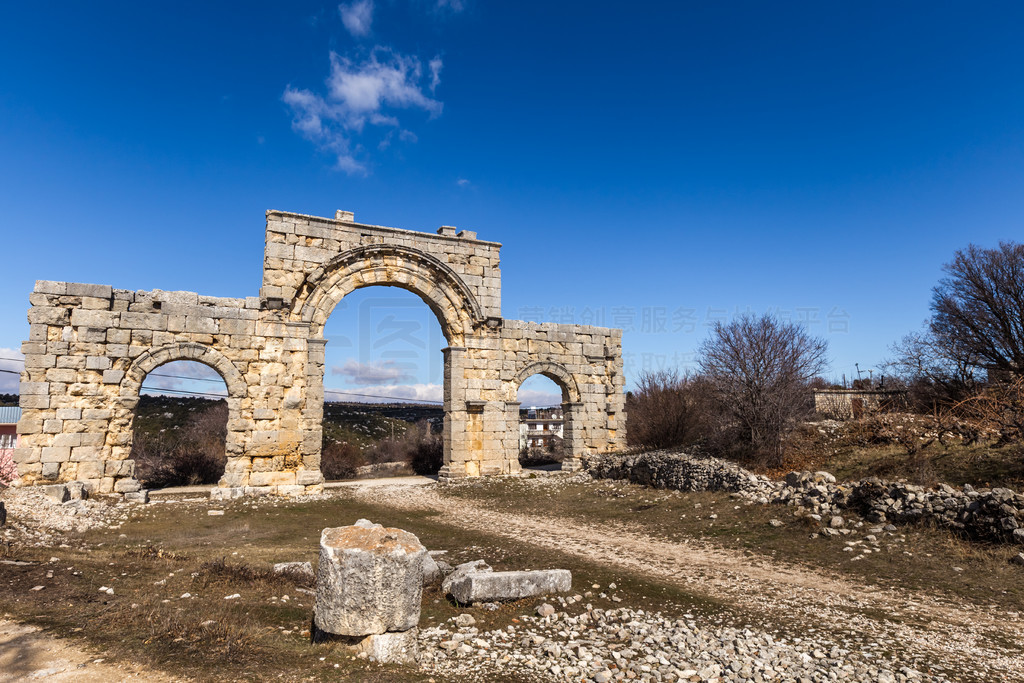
<point x="26" y="653"/>
<point x="988" y="642"/>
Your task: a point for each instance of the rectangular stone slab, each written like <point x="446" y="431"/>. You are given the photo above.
<point x="490" y="586"/>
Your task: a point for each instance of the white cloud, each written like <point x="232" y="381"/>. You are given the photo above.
<point x="462" y="182"/>
<point x="540" y="399"/>
<point x="12" y="362"/>
<point x="426" y="393"/>
<point x="435" y="65"/>
<point x="365" y="374"/>
<point x="185" y="375"/>
<point x="357" y="17"/>
<point x="453" y="5"/>
<point x="357" y="95"/>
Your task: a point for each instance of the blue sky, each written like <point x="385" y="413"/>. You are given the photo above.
<point x="652" y="166"/>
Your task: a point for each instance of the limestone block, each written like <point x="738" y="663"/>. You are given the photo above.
<point x="90" y="470"/>
<point x="226" y="493"/>
<point x="309" y="477"/>
<point x="476" y="586"/>
<point x="55" y="454"/>
<point x="50" y="287"/>
<point x="58" y="493"/>
<point x="97" y="291"/>
<point x="370" y="580"/>
<point x="291" y="490"/>
<point x="137" y="497"/>
<point x="271" y="479"/>
<point x="400" y="648"/>
<point x="127" y="486"/>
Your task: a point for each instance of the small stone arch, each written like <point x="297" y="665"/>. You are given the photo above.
<point x="572" y="439"/>
<point x="154" y="358"/>
<point x="436" y="283"/>
<point x="553" y="371"/>
<point x="122" y="426"/>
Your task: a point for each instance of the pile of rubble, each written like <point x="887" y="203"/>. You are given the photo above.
<point x="41" y="515"/>
<point x="987" y="514"/>
<point x="601" y="645"/>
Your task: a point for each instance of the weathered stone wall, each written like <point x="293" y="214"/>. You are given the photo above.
<point x="91" y="346"/>
<point x="844" y="404"/>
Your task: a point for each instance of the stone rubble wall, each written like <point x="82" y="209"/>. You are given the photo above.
<point x="995" y="515"/>
<point x="91" y="346"/>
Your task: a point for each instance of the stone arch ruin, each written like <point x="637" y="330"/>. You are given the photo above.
<point x="90" y="347"/>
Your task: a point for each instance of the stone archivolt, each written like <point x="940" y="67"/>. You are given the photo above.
<point x="91" y="346"/>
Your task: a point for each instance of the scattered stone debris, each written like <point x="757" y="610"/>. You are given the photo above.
<point x="988" y="514"/>
<point x="599" y="646"/>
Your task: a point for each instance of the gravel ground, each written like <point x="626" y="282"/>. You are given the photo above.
<point x="860" y="623"/>
<point x="847" y="631"/>
<point x="626" y="644"/>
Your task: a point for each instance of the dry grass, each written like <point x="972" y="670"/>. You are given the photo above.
<point x="168" y="551"/>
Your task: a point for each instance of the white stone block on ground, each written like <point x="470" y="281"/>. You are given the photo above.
<point x="399" y="647"/>
<point x="226" y="493"/>
<point x="461" y="571"/>
<point x="490" y="586"/>
<point x="370" y="580"/>
<point x="303" y="570"/>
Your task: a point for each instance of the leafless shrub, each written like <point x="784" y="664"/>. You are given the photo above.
<point x="340" y="460"/>
<point x="194" y="454"/>
<point x="667" y="409"/>
<point x="419" y="446"/>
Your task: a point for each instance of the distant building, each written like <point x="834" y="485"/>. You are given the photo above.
<point x="540" y="427"/>
<point x="9" y="416"/>
<point x="844" y="404"/>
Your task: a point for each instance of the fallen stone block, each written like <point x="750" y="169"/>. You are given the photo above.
<point x="489" y="586"/>
<point x="58" y="493"/>
<point x="137" y="497"/>
<point x="461" y="571"/>
<point x="127" y="486"/>
<point x="300" y="570"/>
<point x="77" y="490"/>
<point x="370" y="580"/>
<point x="431" y="571"/>
<point x="226" y="493"/>
<point x="397" y="646"/>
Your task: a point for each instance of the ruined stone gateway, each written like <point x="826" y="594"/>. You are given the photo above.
<point x="91" y="346"/>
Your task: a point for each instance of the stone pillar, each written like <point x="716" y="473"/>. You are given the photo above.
<point x="456" y="417"/>
<point x="572" y="436"/>
<point x="369" y="586"/>
<point x="511" y="442"/>
<point x="309" y="474"/>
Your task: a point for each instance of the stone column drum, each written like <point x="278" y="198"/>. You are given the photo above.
<point x="368" y="589"/>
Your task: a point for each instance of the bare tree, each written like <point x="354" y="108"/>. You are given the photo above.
<point x="979" y="309"/>
<point x="932" y="377"/>
<point x="761" y="368"/>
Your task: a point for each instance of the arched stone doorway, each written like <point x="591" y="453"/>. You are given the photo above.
<point x="572" y="441"/>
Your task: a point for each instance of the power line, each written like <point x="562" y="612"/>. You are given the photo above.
<point x="221" y="381"/>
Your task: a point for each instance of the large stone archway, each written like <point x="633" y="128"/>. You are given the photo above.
<point x="89" y="347"/>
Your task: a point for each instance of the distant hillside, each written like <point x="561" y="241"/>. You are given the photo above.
<point x="359" y="424"/>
